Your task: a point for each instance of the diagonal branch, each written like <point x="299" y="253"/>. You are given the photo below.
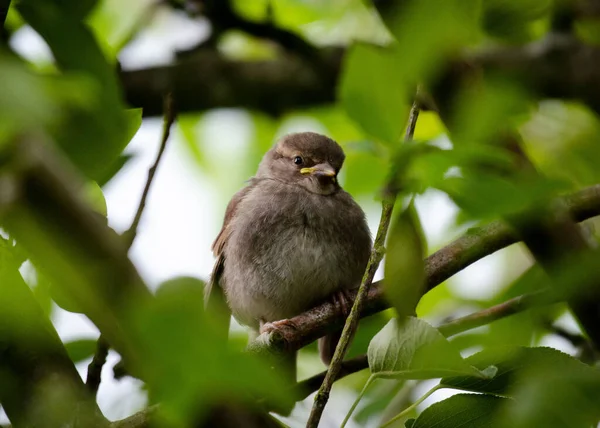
<point x="476" y="244"/>
<point x="170" y="114"/>
<point x="451" y="328"/>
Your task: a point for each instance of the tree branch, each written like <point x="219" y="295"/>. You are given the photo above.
<point x="376" y="256"/>
<point x="272" y="86"/>
<point x="169" y="118"/>
<point x="223" y="17"/>
<point x="444" y="263"/>
<point x="558" y="66"/>
<point x="94" y="374"/>
<point x="459" y="325"/>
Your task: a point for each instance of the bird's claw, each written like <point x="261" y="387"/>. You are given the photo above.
<point x="343" y="301"/>
<point x="268" y="327"/>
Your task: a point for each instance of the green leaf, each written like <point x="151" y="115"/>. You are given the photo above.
<point x="176" y="334"/>
<point x="462" y="410"/>
<point x="81" y="349"/>
<point x="511" y="363"/>
<point x="371" y="92"/>
<point x="414" y="350"/>
<point x="93" y="194"/>
<point x="511" y="21"/>
<point x="113" y="169"/>
<point x="555" y="397"/>
<point x="92" y="137"/>
<point x="404" y="262"/>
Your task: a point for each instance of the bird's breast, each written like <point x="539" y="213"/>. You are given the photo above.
<point x="287" y="254"/>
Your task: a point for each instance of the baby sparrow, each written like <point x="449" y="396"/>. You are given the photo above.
<point x="292" y="237"/>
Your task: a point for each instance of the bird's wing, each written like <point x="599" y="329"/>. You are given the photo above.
<point x="214" y="297"/>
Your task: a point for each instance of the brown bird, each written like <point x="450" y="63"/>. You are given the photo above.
<point x="292" y="238"/>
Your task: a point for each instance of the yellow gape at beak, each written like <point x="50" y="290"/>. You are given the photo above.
<point x="321" y="170"/>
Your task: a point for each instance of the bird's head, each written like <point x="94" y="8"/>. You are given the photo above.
<point x="305" y="159"/>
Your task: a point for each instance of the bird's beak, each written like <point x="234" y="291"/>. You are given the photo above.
<point x="320" y="170"/>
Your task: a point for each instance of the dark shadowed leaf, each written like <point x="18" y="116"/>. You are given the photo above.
<point x="554" y="397"/>
<point x="511" y="363"/>
<point x="404" y="265"/>
<point x="414" y="350"/>
<point x="462" y="410"/>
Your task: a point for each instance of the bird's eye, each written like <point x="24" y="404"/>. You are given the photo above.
<point x="298" y="160"/>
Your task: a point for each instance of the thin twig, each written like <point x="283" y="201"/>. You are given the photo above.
<point x="352" y="321"/>
<point x="169" y="118"/>
<point x="451" y="328"/>
<point x="94" y="373"/>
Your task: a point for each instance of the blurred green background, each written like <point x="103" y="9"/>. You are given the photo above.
<point x="68" y="91"/>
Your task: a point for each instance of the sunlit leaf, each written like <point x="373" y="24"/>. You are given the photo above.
<point x="93" y="194"/>
<point x="371" y="92"/>
<point x="414" y="350"/>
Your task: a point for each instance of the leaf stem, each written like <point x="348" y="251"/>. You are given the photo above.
<point x="374" y="260"/>
<point x="360" y="396"/>
<point x="413" y="405"/>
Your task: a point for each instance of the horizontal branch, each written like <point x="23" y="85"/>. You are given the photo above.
<point x="444" y="263"/>
<point x="206" y="80"/>
<point x="558" y="66"/>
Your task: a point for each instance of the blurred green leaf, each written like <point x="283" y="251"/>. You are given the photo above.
<point x="404" y="269"/>
<point x="414" y="350"/>
<point x="371" y="92"/>
<point x="364" y="168"/>
<point x="557" y="396"/>
<point x="461" y="410"/>
<point x="185" y="360"/>
<point x="483" y="195"/>
<point x="115" y="22"/>
<point x="512" y="363"/>
<point x="563" y="139"/>
<point x="511" y="20"/>
<point x="94" y="137"/>
<point x="81" y="349"/>
<point x="94" y="196"/>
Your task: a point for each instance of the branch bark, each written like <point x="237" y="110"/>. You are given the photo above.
<point x="444" y="263"/>
<point x="274" y="86"/>
<point x="451" y="328"/>
<point x="558" y="66"/>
